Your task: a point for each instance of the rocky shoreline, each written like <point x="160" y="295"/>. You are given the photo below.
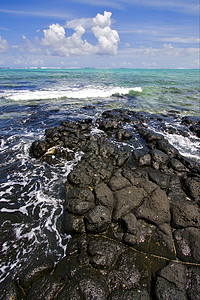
<point x="132" y="208"/>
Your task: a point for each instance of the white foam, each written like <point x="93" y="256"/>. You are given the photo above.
<point x="80" y="93"/>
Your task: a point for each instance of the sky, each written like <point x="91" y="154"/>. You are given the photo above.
<point x="100" y="33"/>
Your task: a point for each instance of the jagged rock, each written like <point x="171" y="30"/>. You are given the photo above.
<point x="98" y="219"/>
<point x="91" y="284"/>
<point x="104" y="252"/>
<point x="185" y="214"/>
<point x="79" y="200"/>
<point x="155" y="208"/>
<point x="38" y="267"/>
<point x="126" y="200"/>
<point x="170" y="283"/>
<point x="192" y="188"/>
<point x="161" y="179"/>
<point x="38" y="148"/>
<point x="187" y="243"/>
<point x="104" y="196"/>
<point x="136" y="294"/>
<point x="74" y="223"/>
<point x="118" y="183"/>
<point x="165" y="146"/>
<point x="46" y="288"/>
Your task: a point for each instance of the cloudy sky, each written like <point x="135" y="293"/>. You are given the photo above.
<point x="99" y="33"/>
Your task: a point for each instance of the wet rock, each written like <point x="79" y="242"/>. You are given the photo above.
<point x="118" y="183"/>
<point x="104" y="196"/>
<point x="159" y="157"/>
<point x="190" y="120"/>
<point x="184" y="214"/>
<point x="149" y="135"/>
<point x="70" y="292"/>
<point x="161" y="243"/>
<point x="192" y="188"/>
<point x="195" y="129"/>
<point x="170" y="283"/>
<point x="46" y="288"/>
<point x="74" y="223"/>
<point x="91" y="284"/>
<point x="126" y="275"/>
<point x="177" y="165"/>
<point x="104" y="252"/>
<point x="123" y="135"/>
<point x="98" y="219"/>
<point x="138" y="232"/>
<point x="9" y="291"/>
<point x="79" y="200"/>
<point x="187" y="243"/>
<point x="155" y="208"/>
<point x="38" y="148"/>
<point x="38" y="266"/>
<point x="166" y="147"/>
<point x="161" y="179"/>
<point x="136" y="294"/>
<point x="126" y="200"/>
<point x="142" y="157"/>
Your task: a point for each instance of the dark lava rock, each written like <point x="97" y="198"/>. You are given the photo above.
<point x="142" y="157"/>
<point x="126" y="200"/>
<point x="177" y="281"/>
<point x="170" y="283"/>
<point x="131" y="208"/>
<point x="38" y="148"/>
<point x="104" y="196"/>
<point x="195" y="129"/>
<point x="38" y="267"/>
<point x="185" y="214"/>
<point x="79" y="200"/>
<point x="159" y="178"/>
<point x="192" y="188"/>
<point x="9" y="291"/>
<point x="166" y="147"/>
<point x="91" y="284"/>
<point x="98" y="219"/>
<point x="190" y="120"/>
<point x="74" y="223"/>
<point x="104" y="252"/>
<point x="159" y="158"/>
<point x="121" y="294"/>
<point x="46" y="288"/>
<point x="187" y="243"/>
<point x="155" y="208"/>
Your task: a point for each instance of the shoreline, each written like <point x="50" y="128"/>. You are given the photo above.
<point x="132" y="211"/>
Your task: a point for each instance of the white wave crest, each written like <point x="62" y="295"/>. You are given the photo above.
<point x="84" y="93"/>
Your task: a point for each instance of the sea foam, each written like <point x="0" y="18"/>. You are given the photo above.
<point x="81" y="93"/>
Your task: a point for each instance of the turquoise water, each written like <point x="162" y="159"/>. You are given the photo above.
<point x="162" y="90"/>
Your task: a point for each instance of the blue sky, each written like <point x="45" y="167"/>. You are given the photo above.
<point x="99" y="33"/>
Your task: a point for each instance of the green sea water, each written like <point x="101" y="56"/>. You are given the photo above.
<point x="161" y="90"/>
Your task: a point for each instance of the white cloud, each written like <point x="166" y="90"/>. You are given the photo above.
<point x="3" y="45"/>
<point x="182" y="40"/>
<point x="166" y="50"/>
<point x="28" y="46"/>
<point x="55" y="37"/>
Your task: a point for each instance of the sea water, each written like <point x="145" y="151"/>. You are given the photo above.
<point x="32" y="100"/>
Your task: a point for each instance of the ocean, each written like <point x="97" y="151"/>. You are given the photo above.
<point x="32" y="100"/>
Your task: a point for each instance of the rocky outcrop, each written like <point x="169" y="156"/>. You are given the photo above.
<point x="133" y="215"/>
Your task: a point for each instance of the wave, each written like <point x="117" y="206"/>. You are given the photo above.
<point x="83" y="93"/>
